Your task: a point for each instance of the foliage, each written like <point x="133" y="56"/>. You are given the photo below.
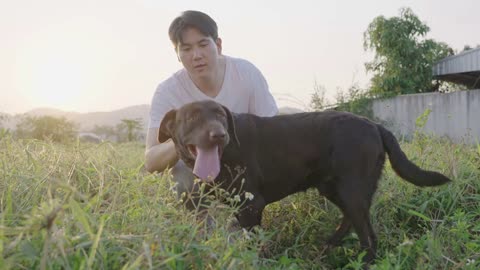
<point x="355" y="100"/>
<point x="318" y="100"/>
<point x="2" y="129"/>
<point x="105" y="132"/>
<point x="130" y="129"/>
<point x="403" y="57"/>
<point x="46" y="128"/>
<point x="468" y="47"/>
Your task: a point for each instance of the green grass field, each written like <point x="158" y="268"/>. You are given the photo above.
<point x="84" y="206"/>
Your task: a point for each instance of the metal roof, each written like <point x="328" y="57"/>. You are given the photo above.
<point x="463" y="68"/>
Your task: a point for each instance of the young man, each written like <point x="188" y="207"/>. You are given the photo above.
<point x="207" y="74"/>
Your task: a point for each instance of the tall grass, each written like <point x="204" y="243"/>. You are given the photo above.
<point x="85" y="206"/>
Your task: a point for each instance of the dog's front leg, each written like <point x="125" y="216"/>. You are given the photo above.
<point x="251" y="214"/>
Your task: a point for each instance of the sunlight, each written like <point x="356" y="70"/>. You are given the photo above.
<point x="63" y="66"/>
<point x="50" y="73"/>
<point x="57" y="82"/>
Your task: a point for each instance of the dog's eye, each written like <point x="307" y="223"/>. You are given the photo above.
<point x="220" y="114"/>
<point x="192" y="117"/>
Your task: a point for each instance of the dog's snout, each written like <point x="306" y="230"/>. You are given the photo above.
<point x="217" y="134"/>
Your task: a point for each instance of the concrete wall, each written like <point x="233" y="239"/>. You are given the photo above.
<point x="454" y="115"/>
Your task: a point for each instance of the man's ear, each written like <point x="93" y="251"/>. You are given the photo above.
<point x="167" y="126"/>
<point x="231" y="125"/>
<point x="176" y="48"/>
<point x="218" y="42"/>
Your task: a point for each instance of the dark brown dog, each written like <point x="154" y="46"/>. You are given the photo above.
<point x="340" y="154"/>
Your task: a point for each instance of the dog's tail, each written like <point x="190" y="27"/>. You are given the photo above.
<point x="404" y="167"/>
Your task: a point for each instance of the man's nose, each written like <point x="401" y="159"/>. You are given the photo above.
<point x="197" y="54"/>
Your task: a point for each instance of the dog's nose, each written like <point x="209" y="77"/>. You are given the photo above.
<point x="217" y="135"/>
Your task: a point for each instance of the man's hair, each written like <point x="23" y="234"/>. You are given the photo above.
<point x="192" y="19"/>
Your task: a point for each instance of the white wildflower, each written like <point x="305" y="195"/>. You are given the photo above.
<point x="407" y="242"/>
<point x="246" y="234"/>
<point x="236" y="198"/>
<point x="249" y="196"/>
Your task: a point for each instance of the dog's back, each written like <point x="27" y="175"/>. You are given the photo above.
<point x="289" y="153"/>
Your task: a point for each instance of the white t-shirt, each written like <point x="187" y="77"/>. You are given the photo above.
<point x="244" y="90"/>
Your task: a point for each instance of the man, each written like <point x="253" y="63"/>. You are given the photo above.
<point x="207" y="74"/>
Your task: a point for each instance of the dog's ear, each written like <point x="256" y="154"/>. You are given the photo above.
<point x="231" y="125"/>
<point x="167" y="126"/>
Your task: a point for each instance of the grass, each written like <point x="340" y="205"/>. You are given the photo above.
<point x="84" y="206"/>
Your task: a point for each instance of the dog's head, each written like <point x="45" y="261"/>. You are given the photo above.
<point x="200" y="131"/>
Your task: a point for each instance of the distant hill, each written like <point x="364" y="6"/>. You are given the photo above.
<point x="49" y="112"/>
<point x="87" y="121"/>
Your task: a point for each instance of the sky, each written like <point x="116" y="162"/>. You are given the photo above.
<point x="87" y="56"/>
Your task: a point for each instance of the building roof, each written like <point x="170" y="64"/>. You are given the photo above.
<point x="462" y="68"/>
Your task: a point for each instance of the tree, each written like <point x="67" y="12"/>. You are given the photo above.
<point x="46" y="128"/>
<point x="467" y="47"/>
<point x="3" y="130"/>
<point x="132" y="127"/>
<point x="403" y="57"/>
<point x="105" y="132"/>
<point x="2" y="118"/>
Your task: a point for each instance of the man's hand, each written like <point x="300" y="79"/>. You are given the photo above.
<point x="159" y="156"/>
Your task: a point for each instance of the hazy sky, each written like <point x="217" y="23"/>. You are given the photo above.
<point x="104" y="55"/>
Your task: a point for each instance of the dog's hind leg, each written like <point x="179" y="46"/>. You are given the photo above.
<point x="355" y="201"/>
<point x="340" y="232"/>
<point x="329" y="191"/>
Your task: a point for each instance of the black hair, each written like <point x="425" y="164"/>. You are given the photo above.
<point x="192" y="19"/>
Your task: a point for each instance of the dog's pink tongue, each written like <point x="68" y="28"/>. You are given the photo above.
<point x="207" y="164"/>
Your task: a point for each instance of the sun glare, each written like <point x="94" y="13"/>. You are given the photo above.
<point x="62" y="66"/>
<point x="50" y="76"/>
<point x="57" y="82"/>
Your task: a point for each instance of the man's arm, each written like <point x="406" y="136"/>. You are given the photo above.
<point x="158" y="156"/>
<point x="262" y="102"/>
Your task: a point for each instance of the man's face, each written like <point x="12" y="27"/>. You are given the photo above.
<point x="198" y="53"/>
